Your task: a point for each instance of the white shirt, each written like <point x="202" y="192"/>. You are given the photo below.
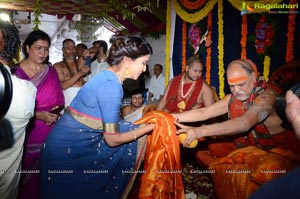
<point x="97" y="67"/>
<point x="20" y="111"/>
<point x="157" y="86"/>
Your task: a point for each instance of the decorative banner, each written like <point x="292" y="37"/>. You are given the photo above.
<point x="221" y="72"/>
<point x="199" y="9"/>
<point x="244" y="37"/>
<point x="267" y="62"/>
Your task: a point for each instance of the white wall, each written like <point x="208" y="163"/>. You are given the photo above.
<point x="159" y="52"/>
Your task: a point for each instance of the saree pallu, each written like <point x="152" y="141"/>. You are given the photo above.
<point x="49" y="94"/>
<point x="76" y="162"/>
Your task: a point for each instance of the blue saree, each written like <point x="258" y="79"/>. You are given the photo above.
<point x="76" y="162"/>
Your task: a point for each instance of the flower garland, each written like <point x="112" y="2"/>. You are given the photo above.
<point x="290" y="36"/>
<point x="267" y="62"/>
<point x="264" y="33"/>
<point x="194" y="37"/>
<point x="183" y="53"/>
<point x="221" y="72"/>
<point x="196" y="16"/>
<point x="168" y="43"/>
<point x="192" y="5"/>
<point x="208" y="50"/>
<point x="244" y="37"/>
<point x="238" y="4"/>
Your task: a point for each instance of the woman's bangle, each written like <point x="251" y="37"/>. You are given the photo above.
<point x="134" y="135"/>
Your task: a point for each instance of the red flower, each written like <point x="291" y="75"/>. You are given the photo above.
<point x="264" y="33"/>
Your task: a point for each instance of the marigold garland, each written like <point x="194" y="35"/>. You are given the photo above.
<point x="267" y="62"/>
<point x="196" y="16"/>
<point x="290" y="36"/>
<point x="244" y="37"/>
<point x="192" y="5"/>
<point x="168" y="43"/>
<point x="208" y="50"/>
<point x="221" y="72"/>
<point x="183" y="52"/>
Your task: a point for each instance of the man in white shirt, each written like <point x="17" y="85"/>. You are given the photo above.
<point x="99" y="63"/>
<point x="157" y="85"/>
<point x="20" y="111"/>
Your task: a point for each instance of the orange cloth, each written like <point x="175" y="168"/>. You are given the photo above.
<point x="163" y="176"/>
<point x="244" y="170"/>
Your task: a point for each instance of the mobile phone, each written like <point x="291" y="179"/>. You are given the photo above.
<point x="57" y="110"/>
<point x="88" y="61"/>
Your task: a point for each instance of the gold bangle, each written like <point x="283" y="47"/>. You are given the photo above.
<point x="134" y="135"/>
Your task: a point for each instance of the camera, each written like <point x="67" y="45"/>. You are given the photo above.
<point x="6" y="133"/>
<point x="280" y="102"/>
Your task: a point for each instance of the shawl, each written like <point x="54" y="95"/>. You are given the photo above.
<point x="259" y="136"/>
<point x="163" y="176"/>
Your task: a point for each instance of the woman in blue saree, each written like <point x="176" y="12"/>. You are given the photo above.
<point x="90" y="152"/>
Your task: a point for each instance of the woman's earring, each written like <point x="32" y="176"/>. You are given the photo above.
<point x="127" y="74"/>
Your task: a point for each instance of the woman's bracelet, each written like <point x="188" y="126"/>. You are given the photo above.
<point x="134" y="135"/>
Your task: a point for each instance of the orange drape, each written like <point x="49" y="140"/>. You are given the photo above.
<point x="163" y="176"/>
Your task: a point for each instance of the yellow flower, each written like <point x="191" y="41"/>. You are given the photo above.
<point x="267" y="61"/>
<point x="221" y="72"/>
<point x="195" y="16"/>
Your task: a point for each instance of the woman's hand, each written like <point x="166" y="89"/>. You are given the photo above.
<point x="47" y="117"/>
<point x="147" y="127"/>
<point x="191" y="133"/>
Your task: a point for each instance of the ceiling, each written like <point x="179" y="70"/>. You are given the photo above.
<point x="129" y="16"/>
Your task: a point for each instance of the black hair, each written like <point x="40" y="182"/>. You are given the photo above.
<point x="136" y="91"/>
<point x="82" y="45"/>
<point x="129" y="46"/>
<point x="33" y="37"/>
<point x="67" y="40"/>
<point x="11" y="40"/>
<point x="102" y="44"/>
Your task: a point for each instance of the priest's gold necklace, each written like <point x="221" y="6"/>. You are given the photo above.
<point x="183" y="98"/>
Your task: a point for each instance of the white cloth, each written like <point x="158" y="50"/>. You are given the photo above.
<point x="20" y="111"/>
<point x="134" y="116"/>
<point x="97" y="67"/>
<point x="69" y="94"/>
<point x="157" y="86"/>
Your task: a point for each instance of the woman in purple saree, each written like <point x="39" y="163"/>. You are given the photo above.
<point x="35" y="68"/>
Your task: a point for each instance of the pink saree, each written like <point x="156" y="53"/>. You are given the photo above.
<point x="49" y="94"/>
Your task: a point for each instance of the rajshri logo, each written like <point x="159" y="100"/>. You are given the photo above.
<point x="276" y="8"/>
<point x="246" y="8"/>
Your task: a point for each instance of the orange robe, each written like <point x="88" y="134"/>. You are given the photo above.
<point x="174" y="97"/>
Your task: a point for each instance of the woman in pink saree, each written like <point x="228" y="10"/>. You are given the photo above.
<point x="35" y="68"/>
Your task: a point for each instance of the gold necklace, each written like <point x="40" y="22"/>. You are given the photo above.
<point x="184" y="98"/>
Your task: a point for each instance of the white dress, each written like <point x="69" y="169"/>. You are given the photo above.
<point x="20" y="111"/>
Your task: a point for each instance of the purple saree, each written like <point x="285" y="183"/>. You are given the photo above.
<point x="49" y="94"/>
